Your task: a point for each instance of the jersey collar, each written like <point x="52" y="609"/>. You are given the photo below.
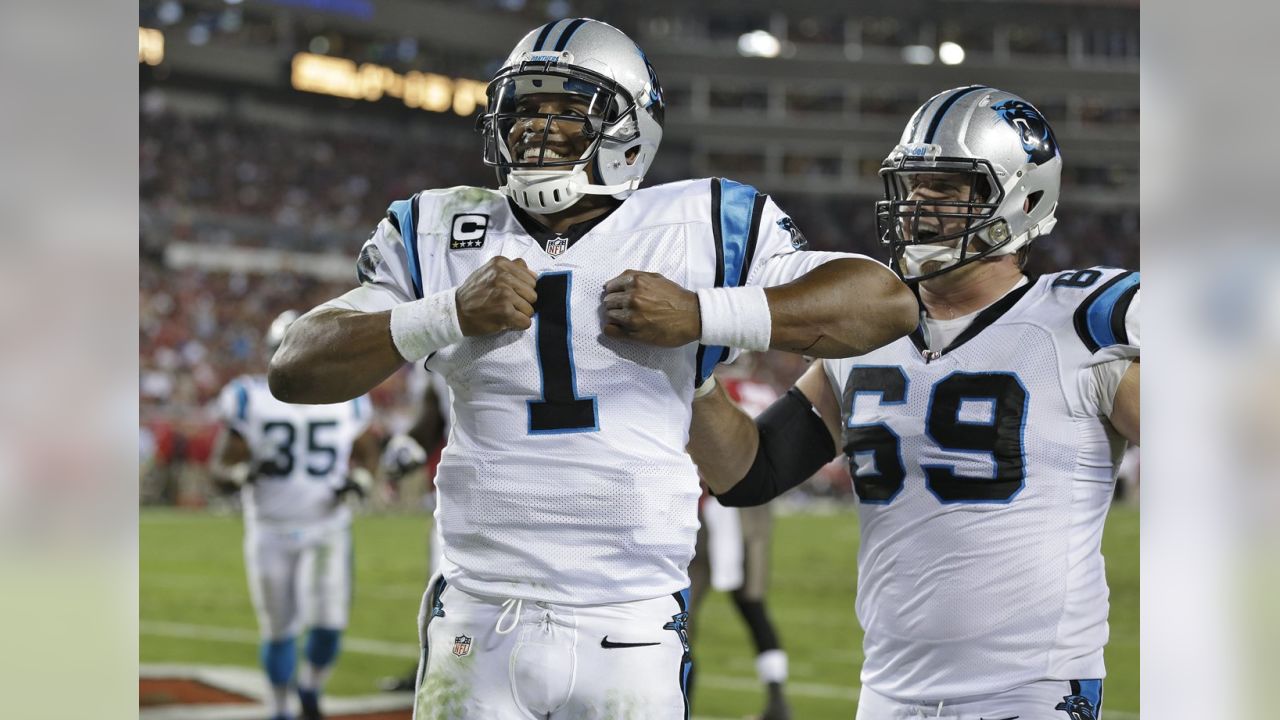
<point x="542" y="234"/>
<point x="984" y="320"/>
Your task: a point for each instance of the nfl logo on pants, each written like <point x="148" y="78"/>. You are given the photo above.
<point x="462" y="646"/>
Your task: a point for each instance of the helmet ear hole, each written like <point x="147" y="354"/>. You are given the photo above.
<point x="1034" y="199"/>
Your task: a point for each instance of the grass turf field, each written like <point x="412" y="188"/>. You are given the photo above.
<point x="194" y="608"/>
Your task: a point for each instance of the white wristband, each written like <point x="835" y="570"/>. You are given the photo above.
<point x="735" y="317"/>
<point x="239" y="473"/>
<point x="362" y="478"/>
<point x="422" y="327"/>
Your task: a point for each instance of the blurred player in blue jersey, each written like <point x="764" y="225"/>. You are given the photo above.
<point x="983" y="447"/>
<point x="573" y="314"/>
<point x="294" y="466"/>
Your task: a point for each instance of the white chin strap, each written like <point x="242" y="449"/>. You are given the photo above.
<point x="550" y="191"/>
<point x="914" y="257"/>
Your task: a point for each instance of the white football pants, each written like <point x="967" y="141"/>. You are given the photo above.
<point x="489" y="658"/>
<point x="298" y="577"/>
<point x="1043" y="700"/>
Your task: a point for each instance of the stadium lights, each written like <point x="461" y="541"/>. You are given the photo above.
<point x="169" y="12"/>
<point x="341" y="77"/>
<point x="759" y="43"/>
<point x="917" y="54"/>
<point x="950" y="53"/>
<point x="150" y="46"/>
<point x="198" y="34"/>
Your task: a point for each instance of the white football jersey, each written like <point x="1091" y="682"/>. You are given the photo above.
<point x="565" y="478"/>
<point x="301" y="452"/>
<point x="984" y="474"/>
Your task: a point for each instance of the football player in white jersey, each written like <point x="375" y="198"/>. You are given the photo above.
<point x="567" y="500"/>
<point x="983" y="447"/>
<point x="295" y="465"/>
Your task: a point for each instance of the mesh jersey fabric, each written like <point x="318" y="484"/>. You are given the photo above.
<point x="605" y="509"/>
<point x="964" y="596"/>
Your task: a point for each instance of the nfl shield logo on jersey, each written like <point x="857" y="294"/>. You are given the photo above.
<point x="556" y="246"/>
<point x="462" y="646"/>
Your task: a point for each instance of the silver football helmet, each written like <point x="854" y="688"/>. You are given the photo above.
<point x="621" y="114"/>
<point x="279" y="326"/>
<point x="998" y="145"/>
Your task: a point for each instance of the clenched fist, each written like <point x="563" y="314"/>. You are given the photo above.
<point x="498" y="296"/>
<point x="648" y="308"/>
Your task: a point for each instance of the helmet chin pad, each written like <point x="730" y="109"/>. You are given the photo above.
<point x="546" y="192"/>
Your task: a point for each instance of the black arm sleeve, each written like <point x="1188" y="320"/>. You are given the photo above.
<point x="794" y="443"/>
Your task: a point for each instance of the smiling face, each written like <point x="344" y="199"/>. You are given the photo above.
<point x="562" y="118"/>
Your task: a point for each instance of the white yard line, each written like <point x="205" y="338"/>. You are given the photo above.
<point x="232" y="678"/>
<point x="361" y="646"/>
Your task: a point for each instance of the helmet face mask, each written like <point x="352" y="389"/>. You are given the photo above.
<point x="582" y="118"/>
<point x="957" y="225"/>
<point x="975" y="175"/>
<point x="590" y="107"/>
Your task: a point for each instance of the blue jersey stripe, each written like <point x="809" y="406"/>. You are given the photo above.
<point x="1091" y="690"/>
<point x="572" y="28"/>
<point x="1098" y="318"/>
<point x="736" y="203"/>
<point x="404" y="213"/>
<point x="733" y="207"/>
<point x="945" y="106"/>
<point x="242" y="402"/>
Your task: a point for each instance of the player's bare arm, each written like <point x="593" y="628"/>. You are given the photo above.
<point x="844" y="307"/>
<point x="428" y="428"/>
<point x="230" y="464"/>
<point x="366" y="450"/>
<point x="365" y="453"/>
<point x="750" y="462"/>
<point x="333" y="354"/>
<point x="1125" y="413"/>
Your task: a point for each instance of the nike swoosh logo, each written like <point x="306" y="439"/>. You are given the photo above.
<point x="609" y="644"/>
<point x="1011" y="717"/>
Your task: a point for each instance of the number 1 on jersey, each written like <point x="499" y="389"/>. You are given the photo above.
<point x="560" y="409"/>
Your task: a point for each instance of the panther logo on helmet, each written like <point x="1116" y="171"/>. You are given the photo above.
<point x="1037" y="138"/>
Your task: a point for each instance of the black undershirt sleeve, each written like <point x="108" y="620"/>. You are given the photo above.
<point x="794" y="444"/>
